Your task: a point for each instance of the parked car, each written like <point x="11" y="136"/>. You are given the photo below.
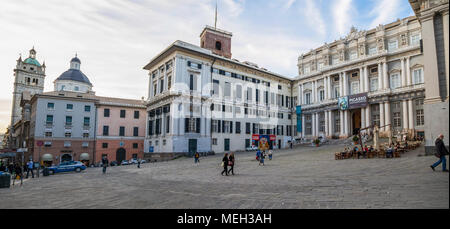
<point x="113" y="163"/>
<point x="134" y="161"/>
<point x="125" y="162"/>
<point x="251" y="148"/>
<point x="143" y="161"/>
<point x="67" y="166"/>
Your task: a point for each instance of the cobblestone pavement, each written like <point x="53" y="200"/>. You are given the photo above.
<point x="305" y="177"/>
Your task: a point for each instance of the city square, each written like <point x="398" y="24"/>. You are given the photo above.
<point x="305" y="177"/>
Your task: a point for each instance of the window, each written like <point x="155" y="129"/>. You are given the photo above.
<point x="168" y="124"/>
<point x="164" y="142"/>
<point x="85" y="135"/>
<point x="192" y="82"/>
<point x="136" y="114"/>
<point x="227" y="92"/>
<point x="308" y="98"/>
<point x="77" y="88"/>
<point x="122" y="113"/>
<point x="392" y="45"/>
<point x="321" y="95"/>
<point x="337" y="123"/>
<point x="335" y="59"/>
<point x="238" y="92"/>
<point x="67" y="144"/>
<point x="106" y="112"/>
<point x="373" y="84"/>
<point x="154" y="88"/>
<point x="218" y="45"/>
<point x="420" y="118"/>
<point x="415" y="39"/>
<point x="47" y="144"/>
<point x="87" y="108"/>
<point x="68" y="120"/>
<point x="161" y="86"/>
<point x="136" y="131"/>
<point x="48" y="134"/>
<point x="122" y="131"/>
<point x="355" y="87"/>
<point x="50" y="106"/>
<point x="86" y="121"/>
<point x="214" y="141"/>
<point x="214" y="126"/>
<point x="353" y="55"/>
<point x="104" y="145"/>
<point x="215" y="87"/>
<point x="105" y="130"/>
<point x="372" y="50"/>
<point x="418" y="76"/>
<point x="68" y="134"/>
<point x="320" y="66"/>
<point x="306" y="70"/>
<point x="395" y="81"/>
<point x="69" y="107"/>
<point x="49" y="120"/>
<point x="169" y="82"/>
<point x="397" y="120"/>
<point x="336" y="91"/>
<point x="249" y="94"/>
<point x="135" y="145"/>
<point x="247" y="128"/>
<point x="238" y="127"/>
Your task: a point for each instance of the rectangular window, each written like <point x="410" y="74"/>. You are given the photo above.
<point x="354" y="87"/>
<point x="397" y="120"/>
<point x="336" y="92"/>
<point x="373" y="84"/>
<point x="321" y="95"/>
<point x="238" y="92"/>
<point x="161" y="86"/>
<point x="192" y="82"/>
<point x="87" y="121"/>
<point x="105" y="130"/>
<point x="122" y="113"/>
<point x="168" y="124"/>
<point x="249" y="94"/>
<point x="49" y="120"/>
<point x="135" y="131"/>
<point x="373" y="50"/>
<point x="50" y="106"/>
<point x="247" y="128"/>
<point x="238" y="127"/>
<point x="308" y="98"/>
<point x="122" y="131"/>
<point x="68" y="120"/>
<point x="69" y="107"/>
<point x="418" y="76"/>
<point x="257" y="95"/>
<point x="136" y="114"/>
<point x="85" y="135"/>
<point x="395" y="81"/>
<point x="106" y="112"/>
<point x="68" y="134"/>
<point x="392" y="45"/>
<point x="420" y="118"/>
<point x="353" y="55"/>
<point x="214" y="126"/>
<point x="87" y="108"/>
<point x="169" y="82"/>
<point x="135" y="145"/>
<point x="215" y="87"/>
<point x="104" y="145"/>
<point x="214" y="141"/>
<point x="415" y="39"/>
<point x="227" y="92"/>
<point x="48" y="134"/>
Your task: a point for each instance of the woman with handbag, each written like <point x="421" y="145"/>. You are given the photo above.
<point x="225" y="164"/>
<point x="231" y="163"/>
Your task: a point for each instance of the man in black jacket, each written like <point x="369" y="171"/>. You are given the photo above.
<point x="104" y="164"/>
<point x="441" y="152"/>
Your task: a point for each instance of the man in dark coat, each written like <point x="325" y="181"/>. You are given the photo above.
<point x="441" y="151"/>
<point x="104" y="164"/>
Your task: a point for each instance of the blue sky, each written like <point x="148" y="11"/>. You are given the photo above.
<point x="115" y="38"/>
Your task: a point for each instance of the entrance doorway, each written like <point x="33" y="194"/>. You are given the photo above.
<point x="66" y="157"/>
<point x="192" y="146"/>
<point x="120" y="155"/>
<point x="227" y="144"/>
<point x="356" y="121"/>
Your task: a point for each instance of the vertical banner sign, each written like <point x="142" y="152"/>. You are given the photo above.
<point x="263" y="142"/>
<point x="299" y="118"/>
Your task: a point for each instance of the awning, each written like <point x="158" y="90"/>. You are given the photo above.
<point x="47" y="157"/>
<point x="84" y="157"/>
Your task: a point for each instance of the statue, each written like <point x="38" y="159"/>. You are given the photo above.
<point x="376" y="133"/>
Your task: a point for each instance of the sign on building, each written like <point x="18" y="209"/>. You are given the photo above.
<point x="299" y="118"/>
<point x="353" y="101"/>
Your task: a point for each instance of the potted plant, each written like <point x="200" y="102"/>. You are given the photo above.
<point x="317" y="142"/>
<point x="355" y="139"/>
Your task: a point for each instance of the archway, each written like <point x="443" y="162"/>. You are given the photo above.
<point x="356" y="121"/>
<point x="121" y="155"/>
<point x="66" y="157"/>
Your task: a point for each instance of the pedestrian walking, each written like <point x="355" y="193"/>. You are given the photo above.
<point x="270" y="154"/>
<point x="261" y="160"/>
<point x="105" y="164"/>
<point x="225" y="164"/>
<point x="30" y="169"/>
<point x="18" y="173"/>
<point x="441" y="151"/>
<point x="231" y="163"/>
<point x="11" y="169"/>
<point x="139" y="163"/>
<point x="258" y="155"/>
<point x="196" y="157"/>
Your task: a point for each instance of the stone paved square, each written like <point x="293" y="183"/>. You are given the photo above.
<point x="302" y="178"/>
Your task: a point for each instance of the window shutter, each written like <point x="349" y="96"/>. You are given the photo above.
<point x="218" y="126"/>
<point x="223" y="126"/>
<point x="186" y="125"/>
<point x="198" y="125"/>
<point x="254" y="129"/>
<point x="231" y="127"/>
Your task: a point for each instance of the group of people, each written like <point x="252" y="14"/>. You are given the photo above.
<point x="14" y="169"/>
<point x="261" y="155"/>
<point x="228" y="160"/>
<point x="363" y="152"/>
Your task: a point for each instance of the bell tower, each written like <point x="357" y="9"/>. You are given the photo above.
<point x="216" y="40"/>
<point x="29" y="76"/>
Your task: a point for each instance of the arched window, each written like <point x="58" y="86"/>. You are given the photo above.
<point x="218" y="45"/>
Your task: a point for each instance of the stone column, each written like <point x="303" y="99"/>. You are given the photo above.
<point x="361" y="80"/>
<point x="380" y="77"/>
<point x="382" y="123"/>
<point x="408" y="72"/>
<point x="330" y="123"/>
<point x="313" y="94"/>
<point x="325" y="91"/>
<point x="299" y="94"/>
<point x="363" y="117"/>
<point x="346" y="132"/>
<point x="313" y="124"/>
<point x="317" y="124"/>
<point x="345" y="84"/>
<point x="385" y="76"/>
<point x="445" y="22"/>
<point x="330" y="91"/>
<point x="405" y="114"/>
<point x="368" y="123"/>
<point x="326" y="123"/>
<point x="366" y="79"/>
<point x="387" y="113"/>
<point x="303" y="125"/>
<point x="411" y="114"/>
<point x="341" y="85"/>
<point x="403" y="75"/>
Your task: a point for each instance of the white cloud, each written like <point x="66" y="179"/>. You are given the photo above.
<point x="342" y="14"/>
<point x="288" y="4"/>
<point x="314" y="17"/>
<point x="385" y="11"/>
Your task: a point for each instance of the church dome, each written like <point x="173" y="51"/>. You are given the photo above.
<point x="32" y="61"/>
<point x="74" y="75"/>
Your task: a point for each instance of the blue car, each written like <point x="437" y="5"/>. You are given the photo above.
<point x="67" y="166"/>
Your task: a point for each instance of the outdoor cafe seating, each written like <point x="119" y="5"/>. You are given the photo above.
<point x="397" y="149"/>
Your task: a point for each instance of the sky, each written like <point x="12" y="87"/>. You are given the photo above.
<point x="115" y="39"/>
